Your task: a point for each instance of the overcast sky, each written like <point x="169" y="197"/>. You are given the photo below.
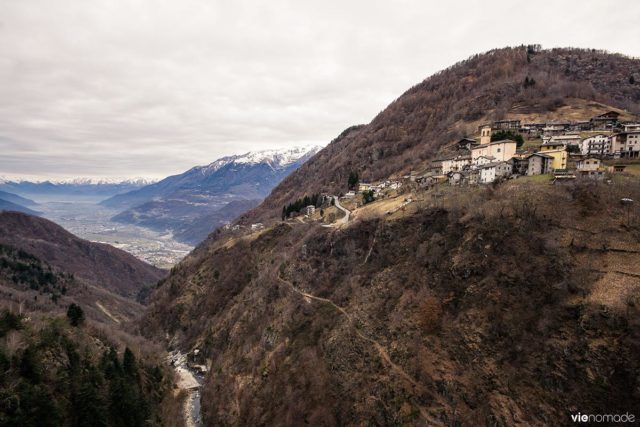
<point x="119" y="88"/>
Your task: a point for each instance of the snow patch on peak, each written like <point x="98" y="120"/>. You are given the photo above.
<point x="80" y="181"/>
<point x="277" y="158"/>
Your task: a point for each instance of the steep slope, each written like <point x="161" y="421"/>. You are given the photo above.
<point x="193" y="204"/>
<point x="94" y="263"/>
<point x="54" y="374"/>
<point x="198" y="230"/>
<point x="450" y="105"/>
<point x="493" y="309"/>
<point x="11" y="206"/>
<point x="512" y="304"/>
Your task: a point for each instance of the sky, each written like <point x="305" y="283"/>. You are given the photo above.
<point x="150" y="88"/>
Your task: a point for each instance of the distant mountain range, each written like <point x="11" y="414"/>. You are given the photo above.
<point x="196" y="202"/>
<point x="85" y="187"/>
<point x="14" y="198"/>
<point x="6" y="205"/>
<point x="13" y="202"/>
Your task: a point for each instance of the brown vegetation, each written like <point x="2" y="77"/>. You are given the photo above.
<point x="490" y="310"/>
<point x="94" y="263"/>
<point x="451" y="104"/>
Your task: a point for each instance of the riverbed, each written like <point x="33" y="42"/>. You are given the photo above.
<point x="191" y="382"/>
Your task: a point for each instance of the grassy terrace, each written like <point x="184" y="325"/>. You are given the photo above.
<point x="536" y="179"/>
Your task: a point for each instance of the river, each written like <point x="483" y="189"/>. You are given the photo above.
<point x="191" y="382"/>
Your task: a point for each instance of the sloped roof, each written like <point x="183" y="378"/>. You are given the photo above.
<point x="502" y="141"/>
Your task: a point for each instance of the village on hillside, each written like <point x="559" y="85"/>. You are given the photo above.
<point x="564" y="150"/>
<point x="554" y="152"/>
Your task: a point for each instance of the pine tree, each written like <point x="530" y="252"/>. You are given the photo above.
<point x="75" y="314"/>
<point x="353" y="179"/>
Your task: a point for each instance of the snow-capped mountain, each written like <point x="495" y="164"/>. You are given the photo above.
<point x="75" y="187"/>
<point x="277" y="159"/>
<point x="177" y="202"/>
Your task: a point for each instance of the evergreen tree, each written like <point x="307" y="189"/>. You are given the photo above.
<point x="75" y="314"/>
<point x="507" y="134"/>
<point x="353" y="179"/>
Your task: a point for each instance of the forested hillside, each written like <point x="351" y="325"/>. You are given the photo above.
<point x="510" y="303"/>
<point x="55" y="374"/>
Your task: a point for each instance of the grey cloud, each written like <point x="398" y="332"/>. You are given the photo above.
<point x="153" y="87"/>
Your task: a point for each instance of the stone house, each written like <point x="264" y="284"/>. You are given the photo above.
<point x="588" y="164"/>
<point x="538" y="164"/>
<point x="465" y="144"/>
<point x="483" y="160"/>
<point x="565" y="139"/>
<point x="455" y="163"/>
<point x="626" y="144"/>
<point x="605" y="121"/>
<point x="507" y="124"/>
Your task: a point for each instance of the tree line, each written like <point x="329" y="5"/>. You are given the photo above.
<point x="57" y="378"/>
<point x="296" y="206"/>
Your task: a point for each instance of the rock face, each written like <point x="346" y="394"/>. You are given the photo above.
<point x="513" y="304"/>
<point x="94" y="263"/>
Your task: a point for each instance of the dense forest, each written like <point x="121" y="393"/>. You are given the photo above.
<point x="57" y="374"/>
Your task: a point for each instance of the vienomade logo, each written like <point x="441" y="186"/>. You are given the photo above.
<point x="603" y="418"/>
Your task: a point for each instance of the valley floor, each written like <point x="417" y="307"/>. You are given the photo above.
<point x="90" y="221"/>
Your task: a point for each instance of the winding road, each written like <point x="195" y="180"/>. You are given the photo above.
<point x="347" y="212"/>
<point x="345" y="218"/>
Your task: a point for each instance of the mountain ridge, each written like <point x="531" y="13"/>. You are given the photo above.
<point x="180" y="203"/>
<point x="451" y="104"/>
<point x="97" y="264"/>
<point x="479" y="306"/>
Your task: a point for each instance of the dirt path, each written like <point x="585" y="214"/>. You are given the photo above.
<point x="105" y="311"/>
<point x="384" y="354"/>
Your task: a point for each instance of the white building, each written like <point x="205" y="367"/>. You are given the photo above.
<point x="566" y="139"/>
<point x="588" y="164"/>
<point x="596" y="145"/>
<point x="483" y="160"/>
<point x="491" y="171"/>
<point x="453" y="164"/>
<point x="501" y="150"/>
<point x="309" y="210"/>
